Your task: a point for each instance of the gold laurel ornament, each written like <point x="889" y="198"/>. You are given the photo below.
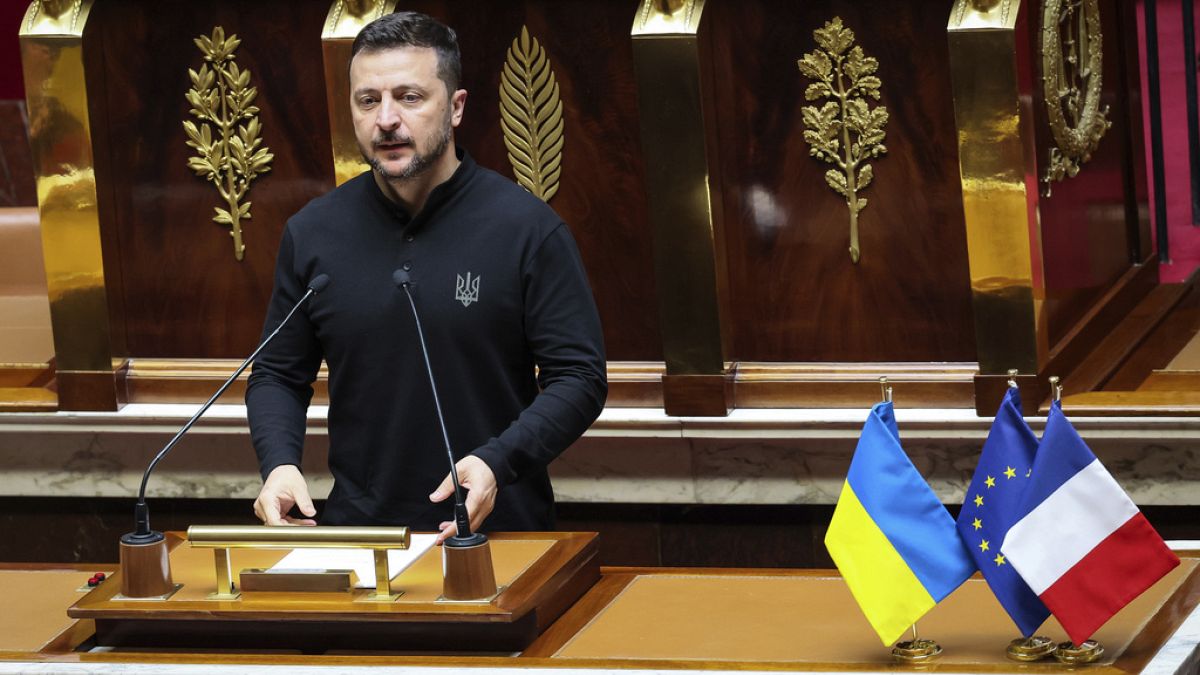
<point x="846" y="131"/>
<point x="531" y="117"/>
<point x="234" y="155"/>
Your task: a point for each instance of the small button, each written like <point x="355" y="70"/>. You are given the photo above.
<point x="407" y="266"/>
<point x="409" y="238"/>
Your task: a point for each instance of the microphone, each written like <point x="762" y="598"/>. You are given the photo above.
<point x="145" y="571"/>
<point x="467" y="556"/>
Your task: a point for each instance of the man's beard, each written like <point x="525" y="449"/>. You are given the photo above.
<point x="420" y="162"/>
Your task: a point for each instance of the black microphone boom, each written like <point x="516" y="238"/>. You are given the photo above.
<point x="461" y="518"/>
<point x="142" y="533"/>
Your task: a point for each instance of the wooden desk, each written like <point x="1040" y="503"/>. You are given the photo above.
<point x="672" y="619"/>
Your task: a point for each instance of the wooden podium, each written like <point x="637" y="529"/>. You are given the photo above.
<point x="542" y="574"/>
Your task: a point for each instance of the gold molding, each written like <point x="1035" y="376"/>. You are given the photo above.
<point x="345" y="19"/>
<point x="682" y="201"/>
<point x="1072" y="84"/>
<point x="995" y="154"/>
<point x="846" y="131"/>
<point x="232" y="160"/>
<point x="531" y="116"/>
<point x="56" y="95"/>
<point x="667" y="17"/>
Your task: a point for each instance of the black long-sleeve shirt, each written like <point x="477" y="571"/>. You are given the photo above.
<point x="500" y="288"/>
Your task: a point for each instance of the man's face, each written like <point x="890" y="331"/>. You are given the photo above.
<point x="402" y="113"/>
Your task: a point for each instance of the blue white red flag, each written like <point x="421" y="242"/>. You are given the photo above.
<point x="1081" y="544"/>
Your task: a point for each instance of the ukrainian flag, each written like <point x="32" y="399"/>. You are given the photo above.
<point x="893" y="541"/>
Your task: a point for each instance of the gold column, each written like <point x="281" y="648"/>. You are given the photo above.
<point x="999" y="191"/>
<point x="56" y="93"/>
<point x="688" y="245"/>
<point x="345" y="19"/>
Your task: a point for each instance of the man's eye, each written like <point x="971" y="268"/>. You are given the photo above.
<point x="366" y="101"/>
<point x="410" y="98"/>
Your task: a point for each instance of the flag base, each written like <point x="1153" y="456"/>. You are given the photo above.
<point x="916" y="651"/>
<point x="1069" y="652"/>
<point x="1031" y="649"/>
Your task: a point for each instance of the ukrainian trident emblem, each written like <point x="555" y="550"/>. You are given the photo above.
<point x="466" y="290"/>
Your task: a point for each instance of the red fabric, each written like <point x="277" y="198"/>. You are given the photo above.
<point x="1118" y="570"/>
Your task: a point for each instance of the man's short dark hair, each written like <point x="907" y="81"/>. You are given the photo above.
<point x="414" y="29"/>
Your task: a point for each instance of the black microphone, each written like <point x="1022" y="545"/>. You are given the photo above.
<point x="461" y="517"/>
<point x="142" y="533"/>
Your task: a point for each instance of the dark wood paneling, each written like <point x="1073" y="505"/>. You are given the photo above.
<point x="183" y="292"/>
<point x="601" y="196"/>
<point x="1087" y="224"/>
<point x="17" y="186"/>
<point x="796" y="295"/>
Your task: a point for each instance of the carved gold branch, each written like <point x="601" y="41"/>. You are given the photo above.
<point x="1072" y="70"/>
<point x="234" y="156"/>
<point x="531" y="117"/>
<point x="845" y="131"/>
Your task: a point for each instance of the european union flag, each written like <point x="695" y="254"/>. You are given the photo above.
<point x="991" y="508"/>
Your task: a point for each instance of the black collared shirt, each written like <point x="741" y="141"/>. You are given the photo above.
<point x="500" y="288"/>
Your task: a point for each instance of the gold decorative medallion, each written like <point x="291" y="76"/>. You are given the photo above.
<point x="221" y="95"/>
<point x="531" y="117"/>
<point x="846" y="131"/>
<point x="1072" y="68"/>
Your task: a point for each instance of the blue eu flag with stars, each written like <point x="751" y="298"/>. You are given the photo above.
<point x="990" y="509"/>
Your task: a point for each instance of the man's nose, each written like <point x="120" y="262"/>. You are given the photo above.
<point x="389" y="115"/>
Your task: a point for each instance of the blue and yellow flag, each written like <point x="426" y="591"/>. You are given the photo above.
<point x="893" y="541"/>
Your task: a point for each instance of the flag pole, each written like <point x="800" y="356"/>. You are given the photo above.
<point x="885" y="389"/>
<point x="1034" y="647"/>
<point x="1056" y="388"/>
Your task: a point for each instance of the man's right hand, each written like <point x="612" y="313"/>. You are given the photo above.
<point x="283" y="489"/>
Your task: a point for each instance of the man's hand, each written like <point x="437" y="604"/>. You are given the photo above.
<point x="476" y="476"/>
<point x="283" y="489"/>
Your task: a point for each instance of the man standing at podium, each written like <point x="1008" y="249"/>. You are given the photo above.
<point x="499" y="287"/>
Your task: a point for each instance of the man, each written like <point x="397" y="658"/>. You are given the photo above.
<point x="499" y="287"/>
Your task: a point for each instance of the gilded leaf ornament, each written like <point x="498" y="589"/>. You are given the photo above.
<point x="846" y="130"/>
<point x="1072" y="78"/>
<point x="531" y="117"/>
<point x="229" y="151"/>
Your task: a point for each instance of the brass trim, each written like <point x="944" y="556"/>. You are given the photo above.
<point x="263" y="536"/>
<point x="681" y="199"/>
<point x="846" y="131"/>
<point x="1072" y="84"/>
<point x="995" y="155"/>
<point x="232" y="159"/>
<point x="345" y="19"/>
<point x="531" y="116"/>
<point x="56" y="95"/>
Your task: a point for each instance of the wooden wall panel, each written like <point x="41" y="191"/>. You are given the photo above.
<point x="1090" y="223"/>
<point x="602" y="195"/>
<point x="795" y="294"/>
<point x="183" y="293"/>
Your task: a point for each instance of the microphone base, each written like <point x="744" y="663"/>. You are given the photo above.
<point x="468" y="569"/>
<point x="145" y="567"/>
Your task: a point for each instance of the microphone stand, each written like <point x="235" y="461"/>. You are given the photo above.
<point x="466" y="556"/>
<point x="145" y="566"/>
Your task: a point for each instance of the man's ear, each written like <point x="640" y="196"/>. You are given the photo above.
<point x="458" y="103"/>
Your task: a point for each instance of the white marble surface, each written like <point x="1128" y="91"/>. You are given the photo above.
<point x="629" y="455"/>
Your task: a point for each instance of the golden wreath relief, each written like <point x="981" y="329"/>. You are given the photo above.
<point x="846" y="131"/>
<point x="1072" y="78"/>
<point x="233" y="156"/>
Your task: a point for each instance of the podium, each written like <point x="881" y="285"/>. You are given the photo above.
<point x="542" y="574"/>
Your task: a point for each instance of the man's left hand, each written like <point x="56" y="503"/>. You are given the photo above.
<point x="475" y="475"/>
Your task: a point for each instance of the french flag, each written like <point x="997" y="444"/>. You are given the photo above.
<point x="1082" y="545"/>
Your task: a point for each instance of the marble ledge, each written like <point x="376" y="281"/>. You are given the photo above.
<point x="780" y="457"/>
<point x="632" y="423"/>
